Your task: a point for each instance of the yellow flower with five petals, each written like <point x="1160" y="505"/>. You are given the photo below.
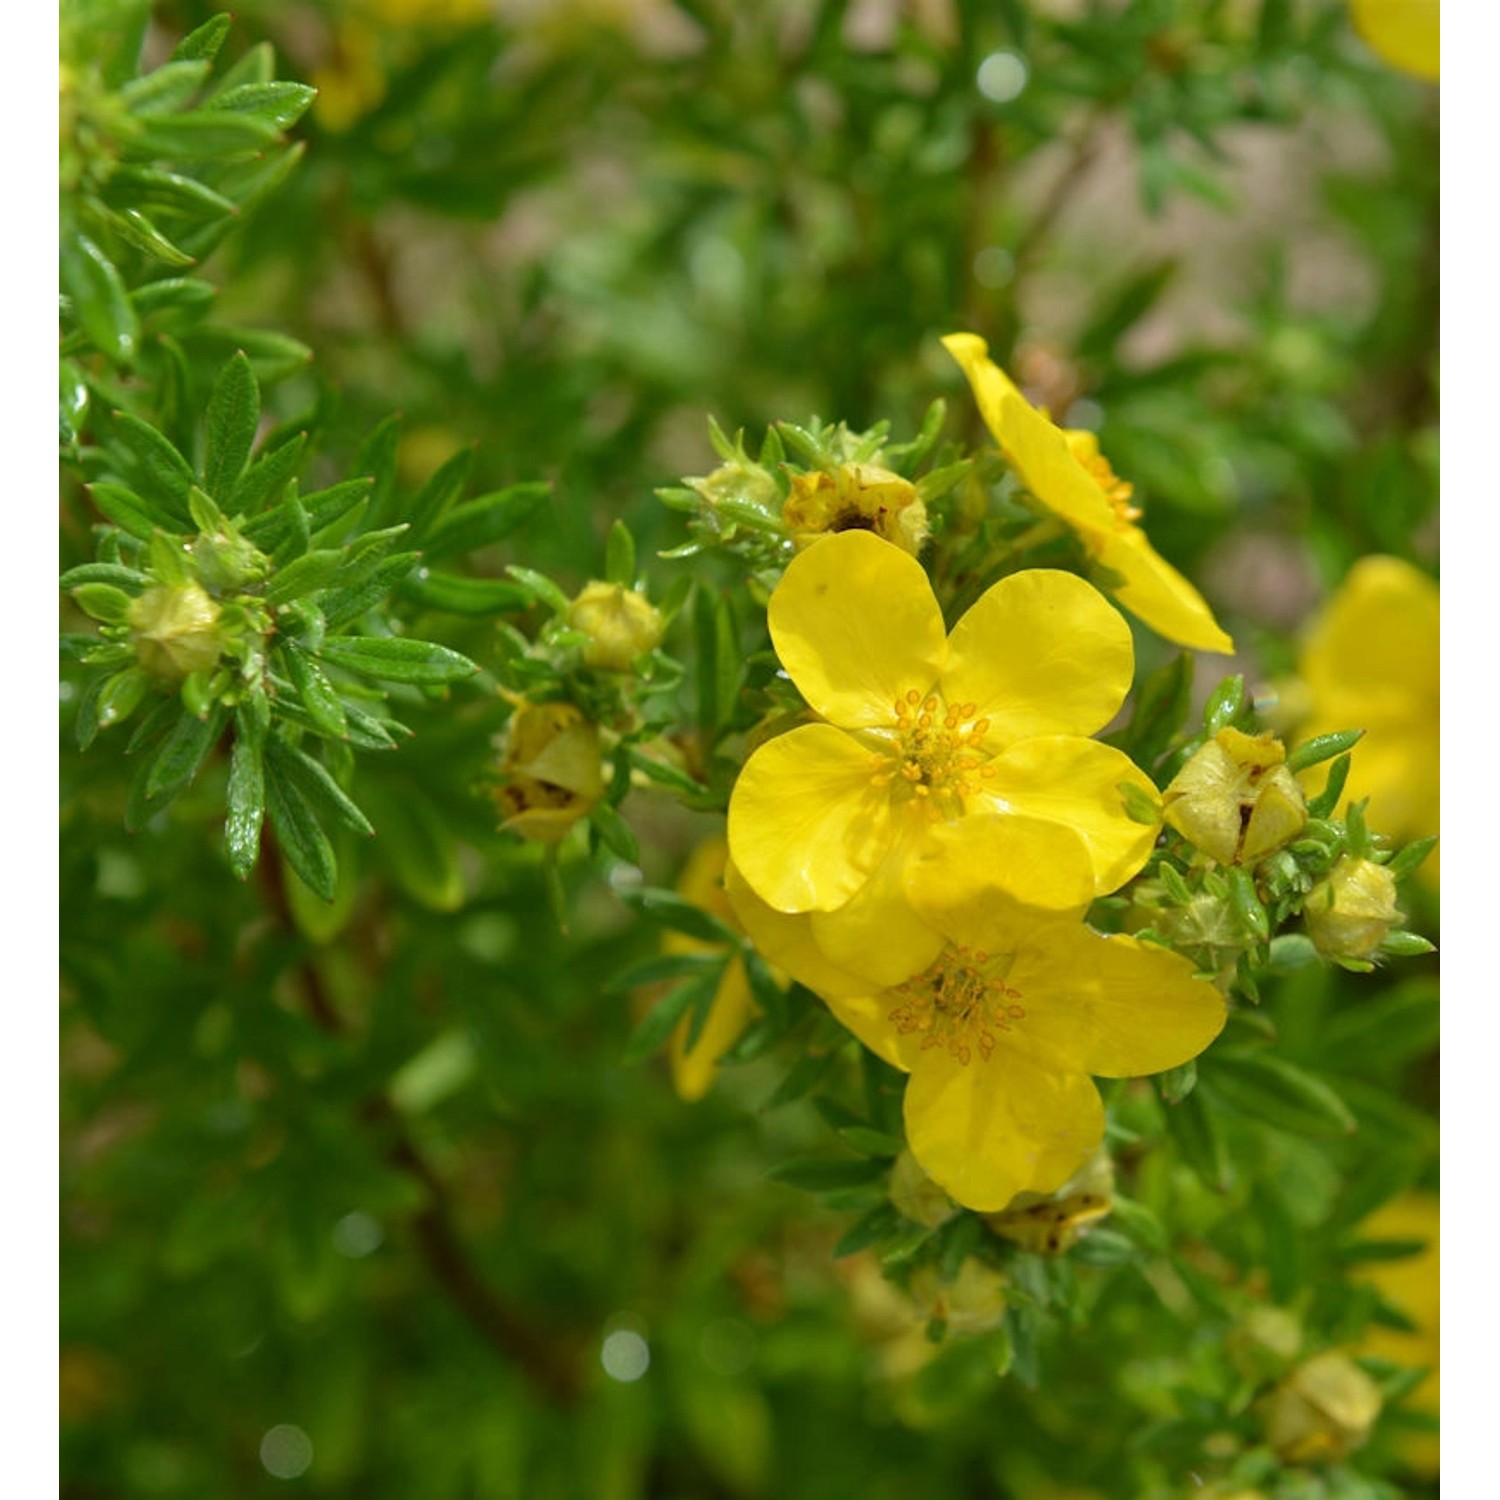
<point x="1001" y="1031"/>
<point x="939" y="762"/>
<point x="1068" y="475"/>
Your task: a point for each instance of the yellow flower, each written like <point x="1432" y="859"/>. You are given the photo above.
<point x="1235" y="798"/>
<point x="1371" y="662"/>
<point x="1001" y="1030"/>
<point x="551" y="771"/>
<point x="1069" y="476"/>
<point x="702" y="883"/>
<point x="855" y="497"/>
<point x="1403" y="32"/>
<point x="1410" y="1285"/>
<point x="940" y="761"/>
<point x="620" y="624"/>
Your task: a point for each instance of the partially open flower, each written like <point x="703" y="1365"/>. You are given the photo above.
<point x="1050" y="1223"/>
<point x="551" y="771"/>
<point x="175" y="631"/>
<point x="1322" y="1411"/>
<point x="620" y="624"/>
<point x="1235" y="799"/>
<point x="1350" y="913"/>
<point x="855" y="497"/>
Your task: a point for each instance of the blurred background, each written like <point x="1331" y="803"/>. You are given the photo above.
<point x="563" y="233"/>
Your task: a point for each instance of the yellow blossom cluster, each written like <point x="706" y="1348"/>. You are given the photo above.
<point x="922" y="852"/>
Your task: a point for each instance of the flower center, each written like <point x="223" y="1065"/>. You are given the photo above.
<point x="937" y="755"/>
<point x="1116" y="490"/>
<point x="961" y="1002"/>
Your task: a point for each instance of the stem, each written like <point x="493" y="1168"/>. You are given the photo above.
<point x="546" y="1362"/>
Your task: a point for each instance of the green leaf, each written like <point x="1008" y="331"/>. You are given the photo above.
<point x="100" y="572"/>
<point x="455" y="594"/>
<point x="1276" y="1092"/>
<point x="817" y="1175"/>
<point x="151" y="187"/>
<point x="444" y="485"/>
<point x="167" y="475"/>
<point x="273" y="356"/>
<point x="104" y="602"/>
<point x="301" y="837"/>
<point x="1177" y="1083"/>
<point x="1411" y="857"/>
<point x="320" y="509"/>
<point x="118" y="698"/>
<point x="615" y="832"/>
<point x="304" y="575"/>
<point x="205" y="41"/>
<point x="1122" y="308"/>
<point x="166" y="89"/>
<point x="1196" y="1135"/>
<point x="322" y="703"/>
<point x="1160" y="710"/>
<point x="166" y="773"/>
<point x="266" y="479"/>
<point x="1224" y="705"/>
<point x="660" y="1021"/>
<point x="395" y="659"/>
<point x="1327" y="800"/>
<point x="279" y="104"/>
<point x="671" y="910"/>
<point x="105" y="311"/>
<point x="345" y="605"/>
<point x="1323" y="747"/>
<point x="203" y="135"/>
<point x="619" y="555"/>
<point x="132" y="226"/>
<point x="233" y="415"/>
<point x="484" y="521"/>
<point x="663" y="966"/>
<point x="316" y="784"/>
<point x="246" y="795"/>
<point x="542" y="587"/>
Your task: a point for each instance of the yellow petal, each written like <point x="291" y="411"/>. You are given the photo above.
<point x="1113" y="1006"/>
<point x="806" y="825"/>
<point x="1041" y="652"/>
<point x="856" y="626"/>
<point x="990" y="384"/>
<point x="1041" y="455"/>
<point x="785" y="941"/>
<point x="1376" y="642"/>
<point x="1076" y="782"/>
<point x="877" y="934"/>
<point x="1404" y="32"/>
<point x="1036" y="448"/>
<point x="733" y="1006"/>
<point x="985" y="1131"/>
<point x="1158" y="594"/>
<point x="868" y="1017"/>
<point x="965" y="872"/>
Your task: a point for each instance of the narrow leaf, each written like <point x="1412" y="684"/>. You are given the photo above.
<point x="396" y="659"/>
<point x="233" y="414"/>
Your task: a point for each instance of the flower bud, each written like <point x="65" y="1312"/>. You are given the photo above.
<point x="973" y="1302"/>
<point x="551" y="770"/>
<point x="1050" y="1223"/>
<point x="1264" y="1342"/>
<point x="226" y="562"/>
<point x="175" y="631"/>
<point x="1322" y="1411"/>
<point x="1235" y="799"/>
<point x="855" y="497"/>
<point x="740" y="490"/>
<point x="620" y="624"/>
<point x="1349" y="913"/>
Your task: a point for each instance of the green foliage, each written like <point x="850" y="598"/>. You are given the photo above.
<point x="365" y="383"/>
